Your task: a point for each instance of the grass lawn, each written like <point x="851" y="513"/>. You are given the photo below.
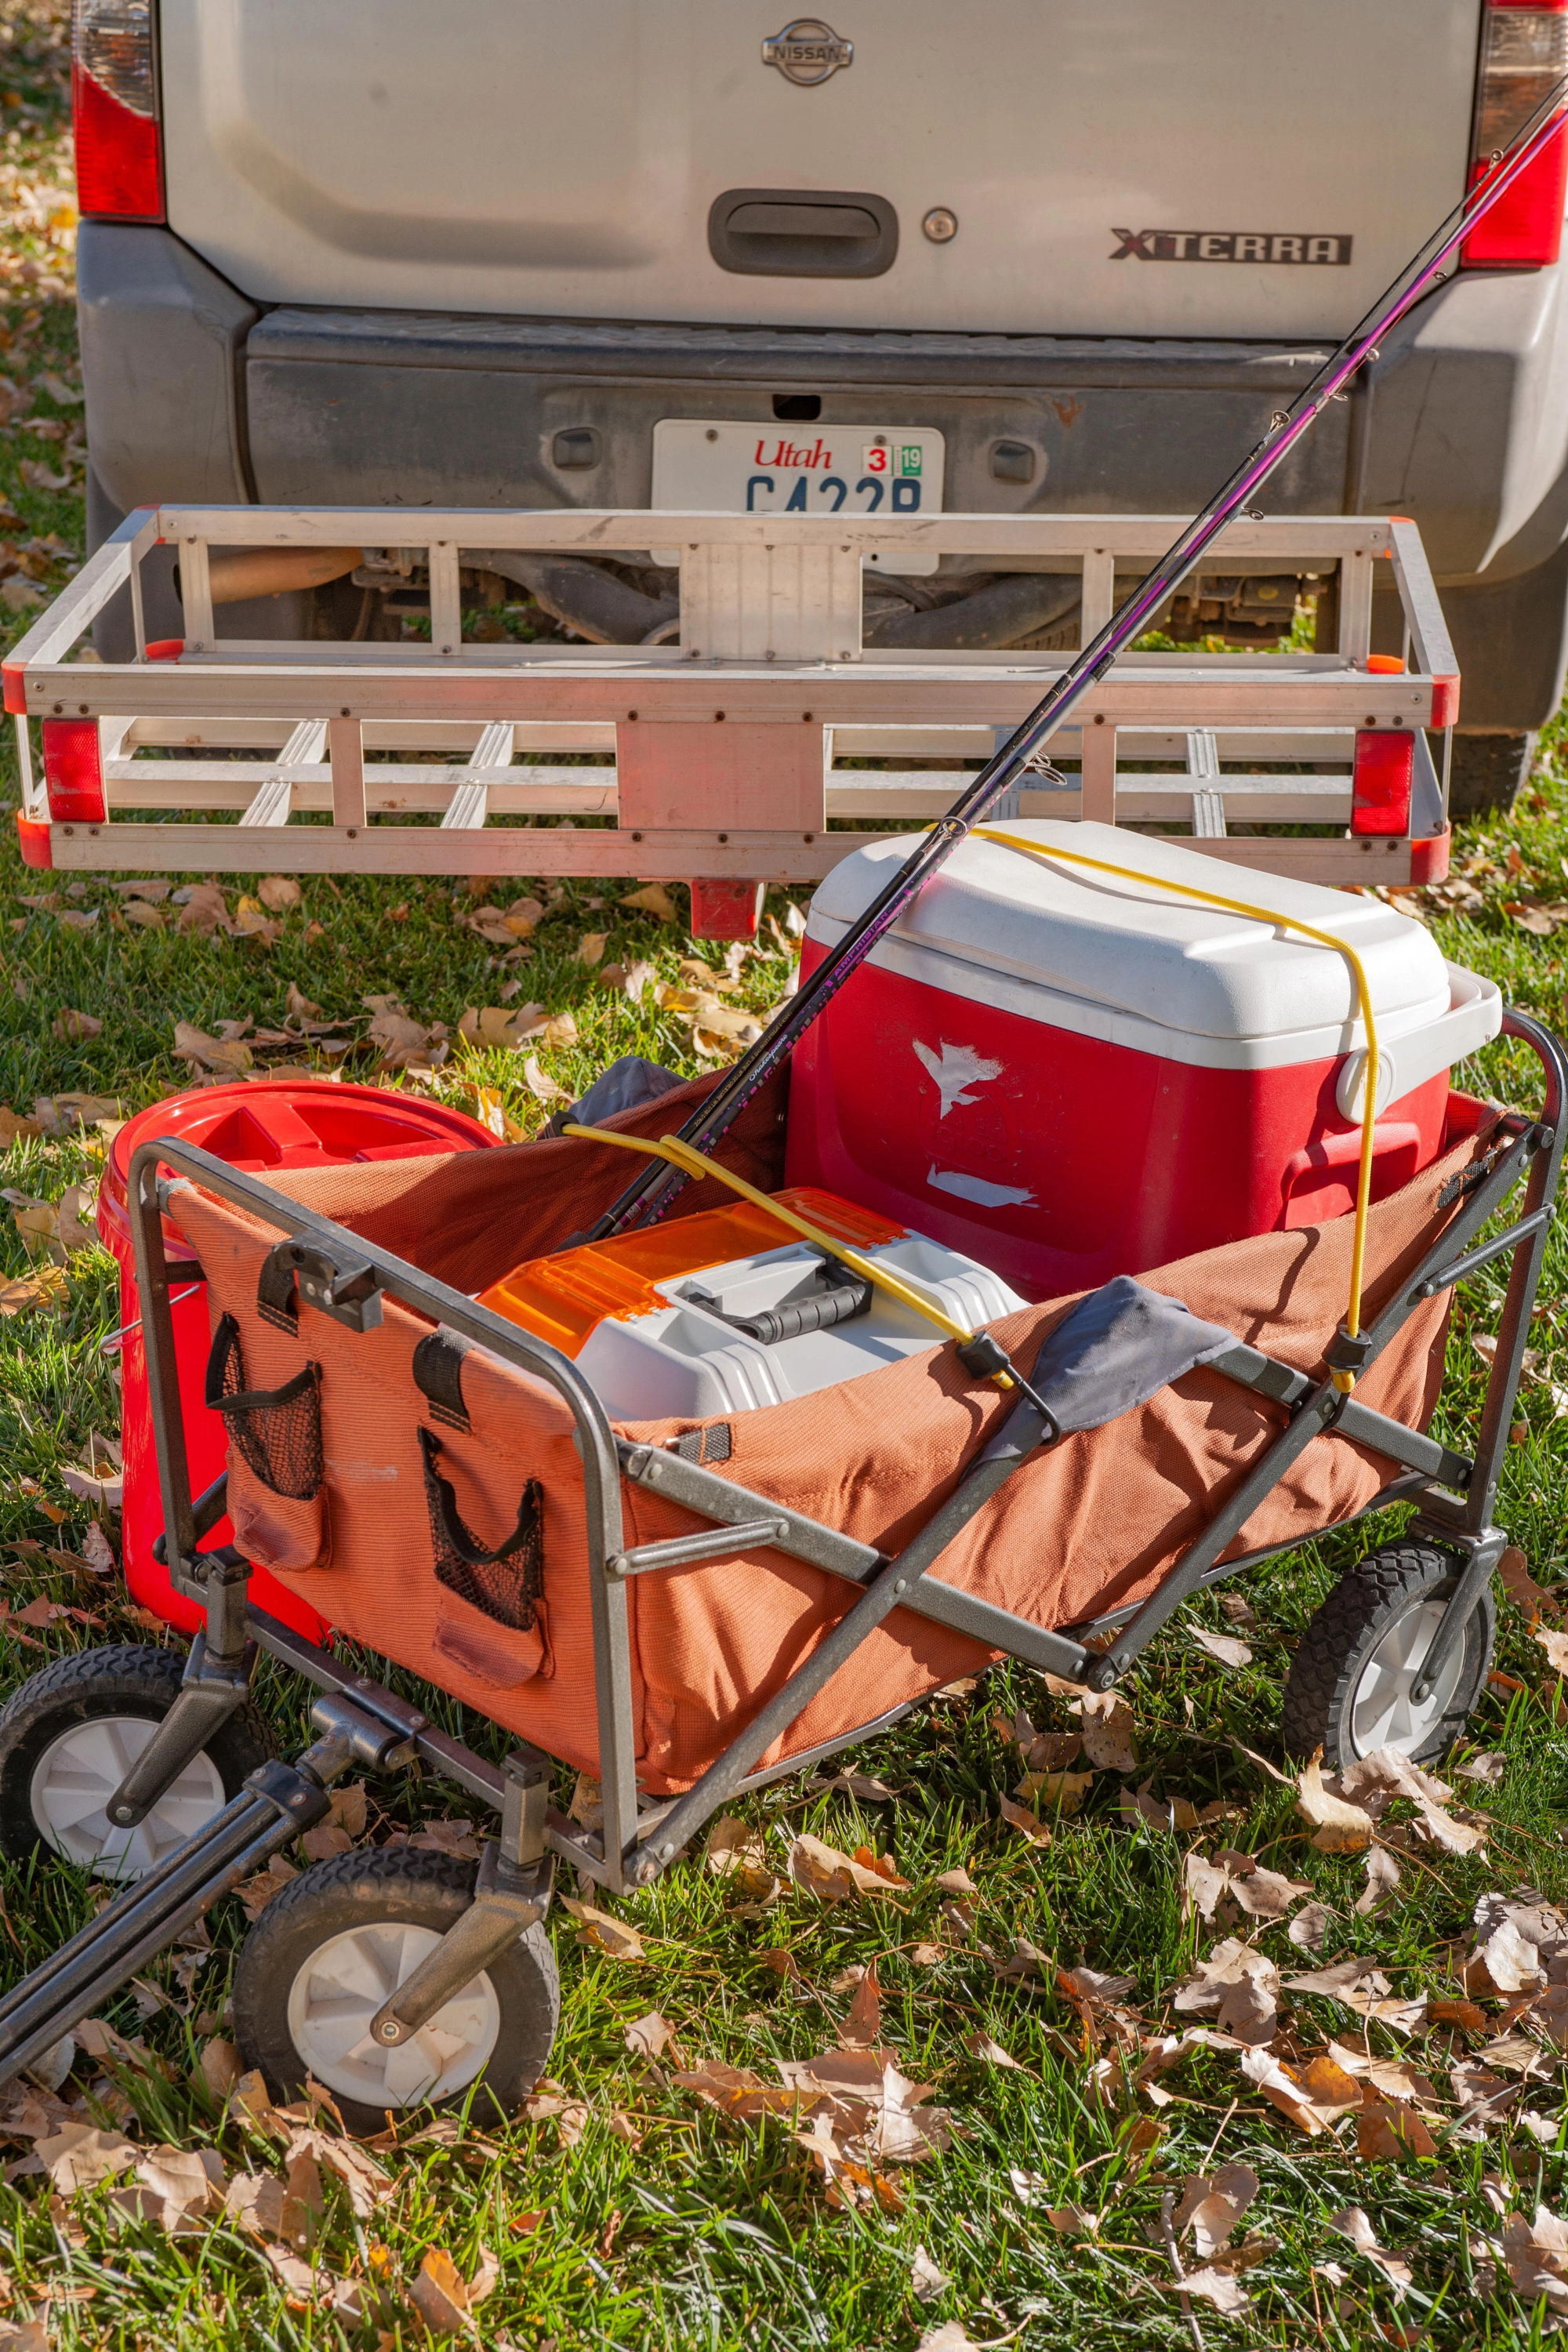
<point x="626" y="2211"/>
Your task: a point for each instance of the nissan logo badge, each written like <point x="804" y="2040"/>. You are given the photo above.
<point x="807" y="52"/>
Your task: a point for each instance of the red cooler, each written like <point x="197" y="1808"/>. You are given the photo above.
<point x="1069" y="1076"/>
<point x="295" y="1123"/>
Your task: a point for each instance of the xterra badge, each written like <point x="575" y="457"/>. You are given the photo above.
<point x="1228" y="245"/>
<point x="808" y="51"/>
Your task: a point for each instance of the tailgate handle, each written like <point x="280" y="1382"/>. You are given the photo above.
<point x="802" y="233"/>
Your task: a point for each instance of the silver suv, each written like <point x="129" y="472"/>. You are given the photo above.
<point x="1004" y="256"/>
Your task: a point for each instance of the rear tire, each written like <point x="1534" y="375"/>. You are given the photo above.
<point x="70" y="1733"/>
<point x="1350" y="1686"/>
<point x="1489" y="773"/>
<point x="327" y="1952"/>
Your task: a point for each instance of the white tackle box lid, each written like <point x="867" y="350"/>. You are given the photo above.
<point x="1112" y="959"/>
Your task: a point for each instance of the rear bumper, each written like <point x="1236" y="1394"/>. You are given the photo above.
<point x="193" y="392"/>
<point x="419" y="408"/>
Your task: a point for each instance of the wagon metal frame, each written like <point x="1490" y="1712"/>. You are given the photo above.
<point x="726" y="746"/>
<point x="340" y="1276"/>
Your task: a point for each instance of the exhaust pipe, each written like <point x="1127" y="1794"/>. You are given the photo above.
<point x="247" y="571"/>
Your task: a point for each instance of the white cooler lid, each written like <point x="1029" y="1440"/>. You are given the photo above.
<point x="1111" y="959"/>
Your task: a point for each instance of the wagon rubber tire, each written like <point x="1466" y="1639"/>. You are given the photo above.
<point x="120" y="1684"/>
<point x="1350" y="1660"/>
<point x="363" y="1903"/>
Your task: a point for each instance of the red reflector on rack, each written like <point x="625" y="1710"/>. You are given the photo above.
<point x="1429" y="859"/>
<point x="15" y="689"/>
<point x="1384" y="771"/>
<point x="73" y="771"/>
<point x="33" y="839"/>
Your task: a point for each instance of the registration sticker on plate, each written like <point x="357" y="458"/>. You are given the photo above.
<point x="703" y="467"/>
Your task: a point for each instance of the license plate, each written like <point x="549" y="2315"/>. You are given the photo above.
<point x="703" y="467"/>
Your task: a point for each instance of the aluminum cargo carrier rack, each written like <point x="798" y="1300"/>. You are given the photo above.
<point x="718" y="761"/>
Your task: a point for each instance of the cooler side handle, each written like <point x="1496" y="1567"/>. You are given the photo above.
<point x="1473" y="1019"/>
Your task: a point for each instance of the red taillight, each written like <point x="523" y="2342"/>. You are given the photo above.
<point x="1525" y="50"/>
<point x="73" y="771"/>
<point x="1380" y="791"/>
<point x="114" y="102"/>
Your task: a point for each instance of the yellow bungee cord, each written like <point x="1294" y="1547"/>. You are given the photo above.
<point x="1342" y="1380"/>
<point x="693" y="1162"/>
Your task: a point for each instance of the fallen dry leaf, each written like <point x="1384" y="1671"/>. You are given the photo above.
<point x="1018" y="1817"/>
<point x="401" y="1040"/>
<point x="861" y="2029"/>
<point x="654" y="899"/>
<point x="1383" y="1882"/>
<point x="735" y="1850"/>
<point x="1064" y="1792"/>
<point x="1536" y="2256"/>
<point x="439" y="2293"/>
<point x="277" y="892"/>
<point x="1221" y="2288"/>
<point x="74" y="1028"/>
<point x="193" y="1045"/>
<point x="77" y="2155"/>
<point x="256" y="1893"/>
<point x="833" y="1877"/>
<point x="103" y="1488"/>
<point x="1355" y="2225"/>
<point x="1229" y="1652"/>
<point x="254" y="2201"/>
<point x="251" y="922"/>
<point x="854" y="1784"/>
<point x="543" y="1087"/>
<point x="1213" y="2205"/>
<point x="591" y="948"/>
<point x="649" y="2036"/>
<point x="926" y="2279"/>
<point x="630" y="980"/>
<point x="202" y="907"/>
<point x="1067" y="2221"/>
<point x="220" y="2067"/>
<point x="1203" y="1884"/>
<point x="1388" y="2129"/>
<point x="1312" y="2096"/>
<point x="990" y="2054"/>
<point x="45" y="1287"/>
<point x="1240" y="1986"/>
<point x="606" y="1934"/>
<point x="97" y="1552"/>
<point x="1341" y="1827"/>
<point x="1107" y="1731"/>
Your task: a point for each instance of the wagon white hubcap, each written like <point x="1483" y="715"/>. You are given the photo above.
<point x="78" y="1773"/>
<point x="1383" y="1712"/>
<point x="339" y="1990"/>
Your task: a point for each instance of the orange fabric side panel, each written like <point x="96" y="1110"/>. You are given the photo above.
<point x="1091" y="1524"/>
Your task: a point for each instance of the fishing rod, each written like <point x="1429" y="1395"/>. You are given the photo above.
<point x="650" y="1194"/>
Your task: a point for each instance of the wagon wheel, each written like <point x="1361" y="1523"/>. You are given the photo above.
<point x="70" y="1734"/>
<point x="1356" y="1673"/>
<point x="338" y="1941"/>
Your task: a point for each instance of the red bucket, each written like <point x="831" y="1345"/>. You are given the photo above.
<point x="255" y="1128"/>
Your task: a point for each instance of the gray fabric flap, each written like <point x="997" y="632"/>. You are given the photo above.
<point x="627" y="1085"/>
<point x="1119" y="1347"/>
